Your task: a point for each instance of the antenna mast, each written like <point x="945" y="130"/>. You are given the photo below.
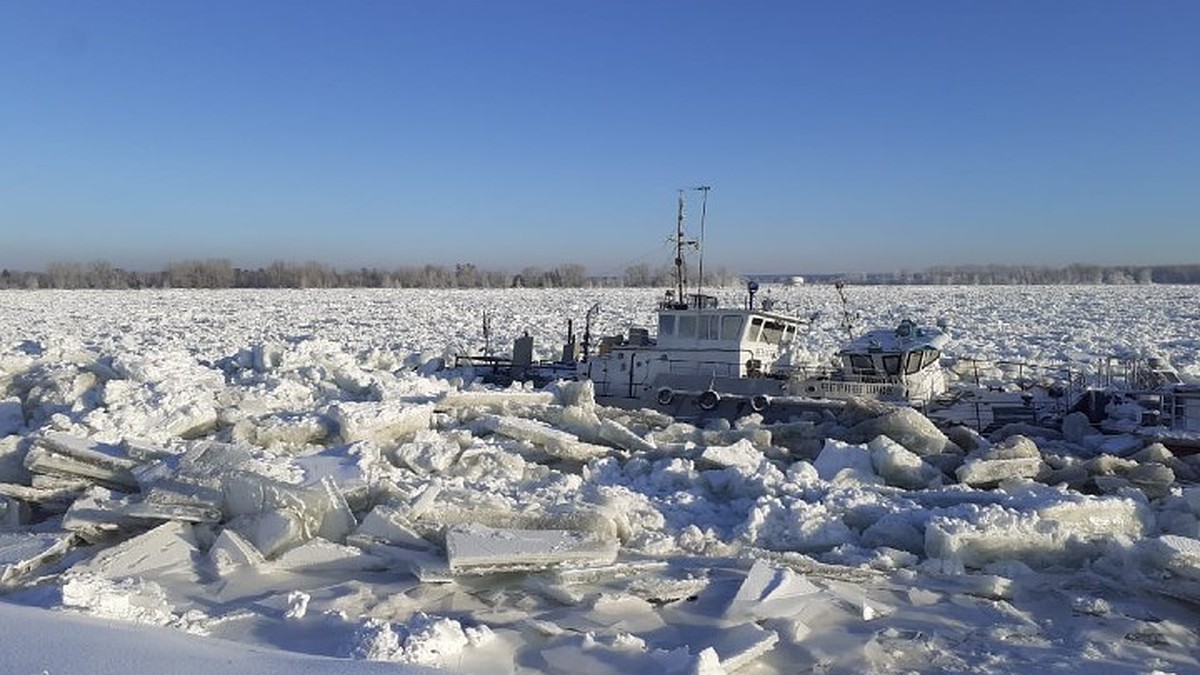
<point x="680" y="269"/>
<point x="703" y="214"/>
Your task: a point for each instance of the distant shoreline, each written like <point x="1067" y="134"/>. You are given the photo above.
<point x="220" y="273"/>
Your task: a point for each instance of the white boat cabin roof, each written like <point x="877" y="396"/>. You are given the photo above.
<point x="686" y="325"/>
<point x="905" y="337"/>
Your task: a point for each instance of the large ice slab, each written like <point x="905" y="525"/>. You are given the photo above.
<point x="1065" y="532"/>
<point x="380" y="422"/>
<point x="75" y="457"/>
<point x="168" y="548"/>
<point x="770" y="592"/>
<point x="482" y="549"/>
<point x="554" y="442"/>
<point x="23" y="552"/>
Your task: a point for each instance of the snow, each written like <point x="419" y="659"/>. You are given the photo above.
<point x="286" y="480"/>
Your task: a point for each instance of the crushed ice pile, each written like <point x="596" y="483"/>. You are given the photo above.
<point x="360" y="503"/>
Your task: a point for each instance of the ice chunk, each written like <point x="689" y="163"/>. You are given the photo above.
<point x="1076" y="426"/>
<point x="1016" y="446"/>
<point x="12" y="460"/>
<point x="1065" y="532"/>
<point x="48" y="499"/>
<point x="1015" y="457"/>
<point x="837" y="457"/>
<point x="134" y="600"/>
<point x="423" y="639"/>
<point x="302" y="510"/>
<point x="380" y="422"/>
<point x="428" y="452"/>
<point x="602" y="573"/>
<point x="12" y="513"/>
<point x="909" y="428"/>
<point x="1120" y="445"/>
<point x="742" y="645"/>
<point x="494" y="400"/>
<point x="164" y="503"/>
<point x="900" y="467"/>
<point x="98" y="514"/>
<point x="554" y="442"/>
<point x="231" y="550"/>
<point x="67" y="455"/>
<point x="1177" y="555"/>
<point x="1153" y="479"/>
<point x="169" y="548"/>
<point x="23" y="552"/>
<point x="898" y="530"/>
<point x="11" y="416"/>
<point x="297" y="605"/>
<point x="482" y="549"/>
<point x="741" y="455"/>
<point x="323" y="555"/>
<point x="620" y="436"/>
<point x="390" y="525"/>
<point x="770" y="593"/>
<point x="988" y="472"/>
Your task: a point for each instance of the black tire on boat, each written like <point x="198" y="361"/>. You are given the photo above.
<point x="665" y="396"/>
<point x="759" y="402"/>
<point x="708" y="400"/>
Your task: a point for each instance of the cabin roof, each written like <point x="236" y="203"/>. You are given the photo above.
<point x="906" y="337"/>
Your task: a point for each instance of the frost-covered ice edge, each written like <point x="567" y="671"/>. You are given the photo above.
<point x="288" y="469"/>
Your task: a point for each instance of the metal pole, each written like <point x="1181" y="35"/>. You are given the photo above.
<point x="703" y="213"/>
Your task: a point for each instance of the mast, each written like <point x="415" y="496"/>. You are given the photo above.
<point x="681" y="241"/>
<point x="700" y="245"/>
<point x="680" y="269"/>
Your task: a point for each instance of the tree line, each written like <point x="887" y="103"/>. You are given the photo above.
<point x="1077" y="273"/>
<point x="221" y="273"/>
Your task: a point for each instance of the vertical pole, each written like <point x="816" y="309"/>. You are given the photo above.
<point x="703" y="213"/>
<point x="679" y="268"/>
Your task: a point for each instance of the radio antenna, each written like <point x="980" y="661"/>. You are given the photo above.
<point x="703" y="213"/>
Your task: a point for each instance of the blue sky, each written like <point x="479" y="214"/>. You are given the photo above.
<point x="837" y="136"/>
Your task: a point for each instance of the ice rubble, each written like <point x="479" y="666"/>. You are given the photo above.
<point x="558" y="533"/>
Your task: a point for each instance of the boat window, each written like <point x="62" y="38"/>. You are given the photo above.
<point x="687" y="326"/>
<point x="891" y="364"/>
<point x="731" y="327"/>
<point x="931" y="357"/>
<point x="755" y="326"/>
<point x="666" y="324"/>
<point x="789" y="332"/>
<point x="772" y="332"/>
<point x="861" y="364"/>
<point x="708" y="326"/>
<point x="912" y="362"/>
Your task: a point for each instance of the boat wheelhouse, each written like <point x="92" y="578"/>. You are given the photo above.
<point x="701" y="352"/>
<point x="900" y="364"/>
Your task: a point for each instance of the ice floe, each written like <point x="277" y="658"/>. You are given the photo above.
<point x="289" y="480"/>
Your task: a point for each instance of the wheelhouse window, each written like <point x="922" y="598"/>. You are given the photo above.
<point x="891" y="364"/>
<point x="666" y="324"/>
<point x="731" y="327"/>
<point x="772" y="332"/>
<point x="755" y="328"/>
<point x="920" y="359"/>
<point x="687" y="326"/>
<point x="861" y="364"/>
<point x="931" y="357"/>
<point x="708" y="327"/>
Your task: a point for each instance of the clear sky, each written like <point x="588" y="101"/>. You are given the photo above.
<point x="837" y="136"/>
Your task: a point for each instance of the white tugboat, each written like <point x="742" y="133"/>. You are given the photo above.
<point x="710" y="361"/>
